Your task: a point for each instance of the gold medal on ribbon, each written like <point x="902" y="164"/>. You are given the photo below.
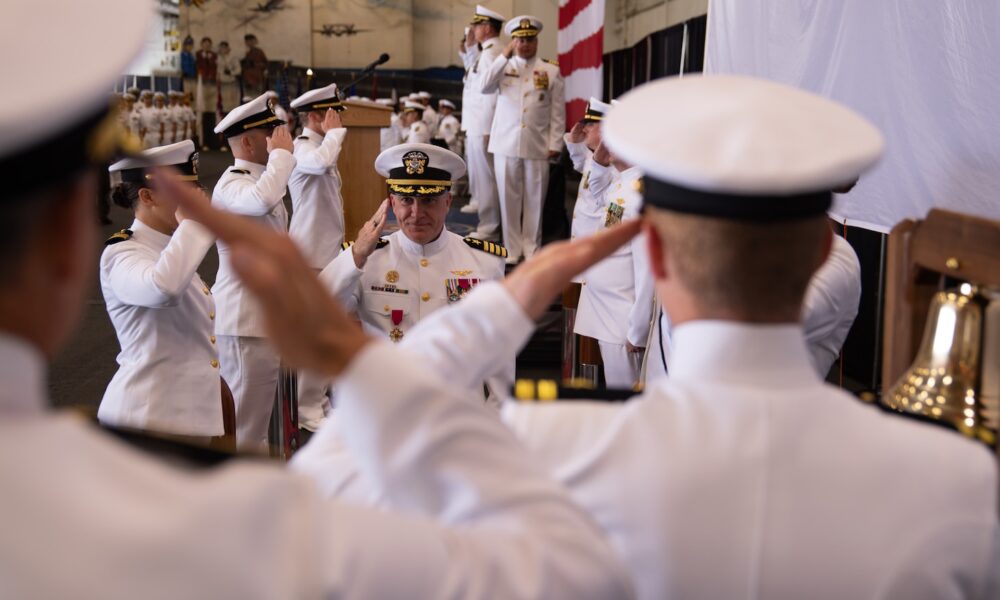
<point x="396" y="334"/>
<point x="392" y="276"/>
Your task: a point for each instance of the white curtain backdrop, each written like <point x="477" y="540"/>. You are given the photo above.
<point x="926" y="72"/>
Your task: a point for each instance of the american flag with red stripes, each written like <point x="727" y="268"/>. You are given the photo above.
<point x="581" y="49"/>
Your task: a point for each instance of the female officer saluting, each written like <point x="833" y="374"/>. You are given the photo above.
<point x="168" y="380"/>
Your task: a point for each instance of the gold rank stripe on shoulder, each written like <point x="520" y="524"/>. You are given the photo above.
<point x="551" y="62"/>
<point x="488" y="247"/>
<point x="121" y="236"/>
<point x="239" y="171"/>
<point x="488" y="46"/>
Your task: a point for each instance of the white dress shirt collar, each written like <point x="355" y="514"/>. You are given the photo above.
<point x="255" y="169"/>
<point x="312" y="135"/>
<point x="146" y="235"/>
<point x="734" y="352"/>
<point x="428" y="249"/>
<point x="22" y="377"/>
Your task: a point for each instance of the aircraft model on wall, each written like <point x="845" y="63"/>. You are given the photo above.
<point x="267" y="8"/>
<point x="339" y="29"/>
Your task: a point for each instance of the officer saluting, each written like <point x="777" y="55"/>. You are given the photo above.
<point x="168" y="378"/>
<point x="317" y="224"/>
<point x="254" y="187"/>
<point x="527" y="131"/>
<point x="395" y="282"/>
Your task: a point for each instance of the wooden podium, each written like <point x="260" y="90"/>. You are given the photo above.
<point x="363" y="189"/>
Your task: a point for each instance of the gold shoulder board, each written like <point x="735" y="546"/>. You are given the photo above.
<point x="487" y="247"/>
<point x="121" y="236"/>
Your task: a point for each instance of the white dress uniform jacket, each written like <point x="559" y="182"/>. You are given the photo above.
<point x="86" y="517"/>
<point x="317" y="224"/>
<point x="588" y="212"/>
<point x="478" y="107"/>
<point x="831" y="304"/>
<point x="743" y="475"/>
<point x="409" y="279"/>
<point x="390" y="136"/>
<point x="616" y="302"/>
<point x="448" y="131"/>
<point x="168" y="375"/>
<point x="530" y="117"/>
<point x="418" y="133"/>
<point x="255" y="191"/>
<point x="150" y="120"/>
<point x="431" y="119"/>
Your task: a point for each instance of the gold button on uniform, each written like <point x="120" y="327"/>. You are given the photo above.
<point x="424" y="262"/>
<point x="211" y="315"/>
<point x="215" y="364"/>
<point x="425" y="297"/>
<point x="207" y="291"/>
<point x="211" y="338"/>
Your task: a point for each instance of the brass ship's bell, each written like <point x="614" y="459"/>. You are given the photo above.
<point x="945" y="381"/>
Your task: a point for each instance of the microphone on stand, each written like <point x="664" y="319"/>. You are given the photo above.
<point x="365" y="73"/>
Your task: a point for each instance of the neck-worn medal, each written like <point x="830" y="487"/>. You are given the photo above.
<point x="396" y="334"/>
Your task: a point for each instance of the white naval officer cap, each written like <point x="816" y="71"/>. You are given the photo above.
<point x="319" y="99"/>
<point x="76" y="134"/>
<point x="595" y="110"/>
<point x="183" y="156"/>
<point x="523" y="26"/>
<point x="411" y="106"/>
<point x="484" y="15"/>
<point x="424" y="95"/>
<point x="419" y="169"/>
<point x="385" y="101"/>
<point x="446" y="102"/>
<point x="255" y="114"/>
<point x="738" y="147"/>
<point x="159" y="95"/>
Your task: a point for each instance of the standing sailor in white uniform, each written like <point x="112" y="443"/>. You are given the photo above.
<point x="527" y="132"/>
<point x="254" y="187"/>
<point x="168" y="375"/>
<point x="317" y="224"/>
<point x="478" y="51"/>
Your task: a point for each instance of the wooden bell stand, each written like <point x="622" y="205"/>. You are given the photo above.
<point x="919" y="253"/>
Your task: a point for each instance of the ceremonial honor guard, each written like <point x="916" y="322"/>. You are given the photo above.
<point x="616" y="301"/>
<point x="164" y="118"/>
<point x="414" y="130"/>
<point x="254" y="187"/>
<point x="396" y="281"/>
<point x="527" y="131"/>
<point x="317" y="224"/>
<point x="150" y="121"/>
<point x="168" y="375"/>
<point x="478" y="51"/>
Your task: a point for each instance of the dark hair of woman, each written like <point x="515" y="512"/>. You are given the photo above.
<point x="126" y="194"/>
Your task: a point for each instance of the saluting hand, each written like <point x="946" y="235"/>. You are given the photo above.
<point x="577" y="135"/>
<point x="369" y="234"/>
<point x="538" y="280"/>
<point x="279" y="139"/>
<point x="331" y="120"/>
<point x="602" y="155"/>
<point x="508" y="50"/>
<point x="306" y="325"/>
